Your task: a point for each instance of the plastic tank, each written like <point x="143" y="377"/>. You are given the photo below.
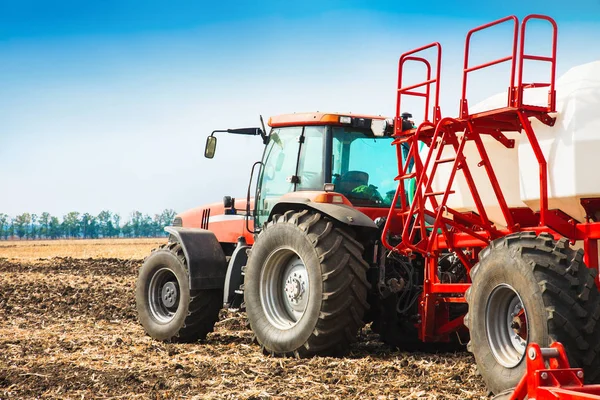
<point x="571" y="148"/>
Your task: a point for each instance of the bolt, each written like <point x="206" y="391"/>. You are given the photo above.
<point x="532" y="354"/>
<point x="544" y="375"/>
<point x="519" y="306"/>
<point x="580" y="374"/>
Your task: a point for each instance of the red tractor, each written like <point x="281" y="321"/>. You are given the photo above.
<point x="313" y="267"/>
<point x="335" y="238"/>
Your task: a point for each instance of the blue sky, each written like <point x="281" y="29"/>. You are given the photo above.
<point x="107" y="104"/>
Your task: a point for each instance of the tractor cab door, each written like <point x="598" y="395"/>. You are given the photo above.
<point x="293" y="160"/>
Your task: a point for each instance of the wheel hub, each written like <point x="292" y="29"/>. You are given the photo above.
<point x="506" y="325"/>
<point x="163" y="295"/>
<point x="284" y="288"/>
<point x="169" y="294"/>
<point x="294" y="288"/>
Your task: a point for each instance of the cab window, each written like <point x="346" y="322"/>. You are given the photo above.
<point x="311" y="168"/>
<point x="363" y="167"/>
<point x="280" y="161"/>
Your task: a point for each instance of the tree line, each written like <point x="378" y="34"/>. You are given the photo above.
<point x="76" y="225"/>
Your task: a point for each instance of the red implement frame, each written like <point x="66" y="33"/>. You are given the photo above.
<point x="549" y="376"/>
<point x="425" y="223"/>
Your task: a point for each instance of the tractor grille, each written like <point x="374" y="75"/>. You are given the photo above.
<point x="205" y="217"/>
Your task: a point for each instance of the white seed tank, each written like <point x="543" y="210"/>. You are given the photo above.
<point x="571" y="148"/>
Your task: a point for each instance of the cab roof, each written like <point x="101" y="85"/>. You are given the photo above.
<point x="315" y="118"/>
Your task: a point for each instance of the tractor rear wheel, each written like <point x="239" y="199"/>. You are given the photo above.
<point x="531" y="289"/>
<point x="167" y="309"/>
<point x="305" y="286"/>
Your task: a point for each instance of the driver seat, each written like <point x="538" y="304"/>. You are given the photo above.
<point x="351" y="180"/>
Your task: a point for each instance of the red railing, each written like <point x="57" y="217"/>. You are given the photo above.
<point x="552" y="60"/>
<point x="464" y="109"/>
<point x="410" y="90"/>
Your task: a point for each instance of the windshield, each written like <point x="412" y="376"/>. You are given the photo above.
<point x="280" y="161"/>
<point x="364" y="167"/>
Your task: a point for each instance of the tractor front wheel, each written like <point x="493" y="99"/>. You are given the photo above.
<point x="531" y="289"/>
<point x="305" y="286"/>
<point x="167" y="309"/>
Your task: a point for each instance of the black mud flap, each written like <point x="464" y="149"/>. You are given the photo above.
<point x="205" y="258"/>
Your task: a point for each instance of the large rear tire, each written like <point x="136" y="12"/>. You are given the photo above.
<point x="305" y="286"/>
<point x="167" y="309"/>
<point x="531" y="289"/>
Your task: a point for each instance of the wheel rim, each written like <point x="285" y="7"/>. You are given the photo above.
<point x="163" y="296"/>
<point x="284" y="288"/>
<point x="506" y="325"/>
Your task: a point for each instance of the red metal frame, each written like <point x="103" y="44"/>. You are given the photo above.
<point x="409" y="90"/>
<point x="549" y="376"/>
<point x="426" y="224"/>
<point x="464" y="113"/>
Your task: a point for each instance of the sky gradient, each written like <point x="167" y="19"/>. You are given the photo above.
<point x="107" y="104"/>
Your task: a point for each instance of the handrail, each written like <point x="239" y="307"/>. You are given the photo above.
<point x="466" y="69"/>
<point x="551" y="60"/>
<point x="408" y="90"/>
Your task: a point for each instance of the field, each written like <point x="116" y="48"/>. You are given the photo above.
<point x="68" y="329"/>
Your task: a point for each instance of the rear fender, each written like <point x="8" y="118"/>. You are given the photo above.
<point x="343" y="214"/>
<point x="206" y="261"/>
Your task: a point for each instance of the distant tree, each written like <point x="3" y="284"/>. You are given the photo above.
<point x="127" y="229"/>
<point x="11" y="229"/>
<point x="33" y="229"/>
<point x="89" y="226"/>
<point x="4" y="223"/>
<point x="84" y="225"/>
<point x="167" y="216"/>
<point x="105" y="225"/>
<point x="93" y="228"/>
<point x="157" y="225"/>
<point x="147" y="227"/>
<point x="21" y="224"/>
<point x="54" y="228"/>
<point x="116" y="225"/>
<point x="75" y="225"/>
<point x="166" y="219"/>
<point x="135" y="221"/>
<point x="71" y="225"/>
<point x="44" y="222"/>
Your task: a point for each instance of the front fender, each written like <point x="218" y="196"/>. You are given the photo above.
<point x="206" y="261"/>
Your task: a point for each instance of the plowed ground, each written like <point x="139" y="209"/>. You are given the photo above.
<point x="68" y="329"/>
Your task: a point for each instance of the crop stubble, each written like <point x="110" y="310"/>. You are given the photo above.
<point x="68" y="329"/>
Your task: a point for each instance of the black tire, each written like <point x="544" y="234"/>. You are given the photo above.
<point x="186" y="316"/>
<point x="560" y="300"/>
<point x="335" y="285"/>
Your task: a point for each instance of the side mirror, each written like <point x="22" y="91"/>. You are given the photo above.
<point x="211" y="147"/>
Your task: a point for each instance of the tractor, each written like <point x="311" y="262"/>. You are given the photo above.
<point x="413" y="228"/>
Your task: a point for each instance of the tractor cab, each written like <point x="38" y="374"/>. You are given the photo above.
<point x="312" y="152"/>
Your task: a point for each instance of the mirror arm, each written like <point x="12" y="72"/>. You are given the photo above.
<point x="263" y="133"/>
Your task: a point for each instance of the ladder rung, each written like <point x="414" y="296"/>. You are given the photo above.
<point x="437" y="193"/>
<point x="401" y="139"/>
<point x="445" y="160"/>
<point x="407" y="176"/>
<point x="426" y="226"/>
